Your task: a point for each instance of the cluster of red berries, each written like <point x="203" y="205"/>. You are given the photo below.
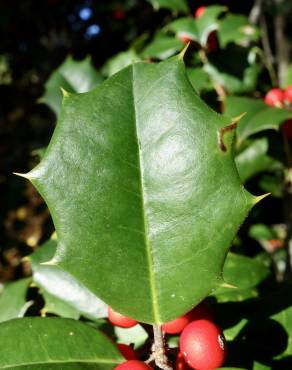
<point x="212" y="39"/>
<point x="281" y="98"/>
<point x="202" y="343"/>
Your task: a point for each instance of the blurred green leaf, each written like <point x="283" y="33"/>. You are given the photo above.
<point x="13" y="302"/>
<point x="197" y="29"/>
<point x="261" y="232"/>
<point x="284" y="318"/>
<point x="63" y="286"/>
<point x="236" y="28"/>
<point x="271" y="184"/>
<point x="254" y="159"/>
<point x="199" y="79"/>
<point x="72" y="76"/>
<point x="258" y="117"/>
<point x="162" y="47"/>
<point x="120" y="61"/>
<point x="174" y="5"/>
<point x="231" y="69"/>
<point x="288" y="79"/>
<point x="55" y="343"/>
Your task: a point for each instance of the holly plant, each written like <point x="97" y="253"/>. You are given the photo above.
<point x="155" y="163"/>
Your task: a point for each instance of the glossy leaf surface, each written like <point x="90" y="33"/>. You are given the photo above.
<point x="144" y="193"/>
<point x="54" y="343"/>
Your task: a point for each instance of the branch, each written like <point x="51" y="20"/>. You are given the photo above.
<point x="255" y="12"/>
<point x="282" y="44"/>
<point x="158" y="354"/>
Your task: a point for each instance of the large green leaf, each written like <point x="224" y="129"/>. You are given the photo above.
<point x="143" y="190"/>
<point x="258" y="117"/>
<point x="254" y="159"/>
<point x="54" y="343"/>
<point x="175" y="5"/>
<point x="61" y="289"/>
<point x="13" y="301"/>
<point x="73" y="76"/>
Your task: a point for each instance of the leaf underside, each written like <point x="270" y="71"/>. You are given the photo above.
<point x="144" y="200"/>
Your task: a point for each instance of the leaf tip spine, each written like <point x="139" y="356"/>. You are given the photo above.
<point x="238" y="118"/>
<point x="181" y="55"/>
<point x="64" y="92"/>
<point x="24" y="175"/>
<point x="260" y="197"/>
<point x="227" y="285"/>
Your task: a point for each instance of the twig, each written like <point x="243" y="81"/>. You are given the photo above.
<point x="269" y="58"/>
<point x="282" y="45"/>
<point x="255" y="12"/>
<point x="217" y="87"/>
<point x="158" y="354"/>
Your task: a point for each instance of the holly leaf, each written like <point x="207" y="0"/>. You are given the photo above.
<point x="46" y="343"/>
<point x="63" y="294"/>
<point x="197" y="29"/>
<point x="56" y="306"/>
<point x="242" y="274"/>
<point x="162" y="47"/>
<point x="258" y="116"/>
<point x="254" y="159"/>
<point x="199" y="79"/>
<point x="72" y="76"/>
<point x="174" y="5"/>
<point x="13" y="301"/>
<point x="143" y="190"/>
<point x="237" y="29"/>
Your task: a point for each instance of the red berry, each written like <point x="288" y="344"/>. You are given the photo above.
<point x="176" y="326"/>
<point x="180" y="363"/>
<point x="133" y="365"/>
<point x="203" y="345"/>
<point x="288" y="94"/>
<point x="127" y="351"/>
<point x="118" y="319"/>
<point x="275" y="98"/>
<point x="287" y="129"/>
<point x="199" y="11"/>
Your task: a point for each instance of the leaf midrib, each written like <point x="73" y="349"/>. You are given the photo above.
<point x="153" y="289"/>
